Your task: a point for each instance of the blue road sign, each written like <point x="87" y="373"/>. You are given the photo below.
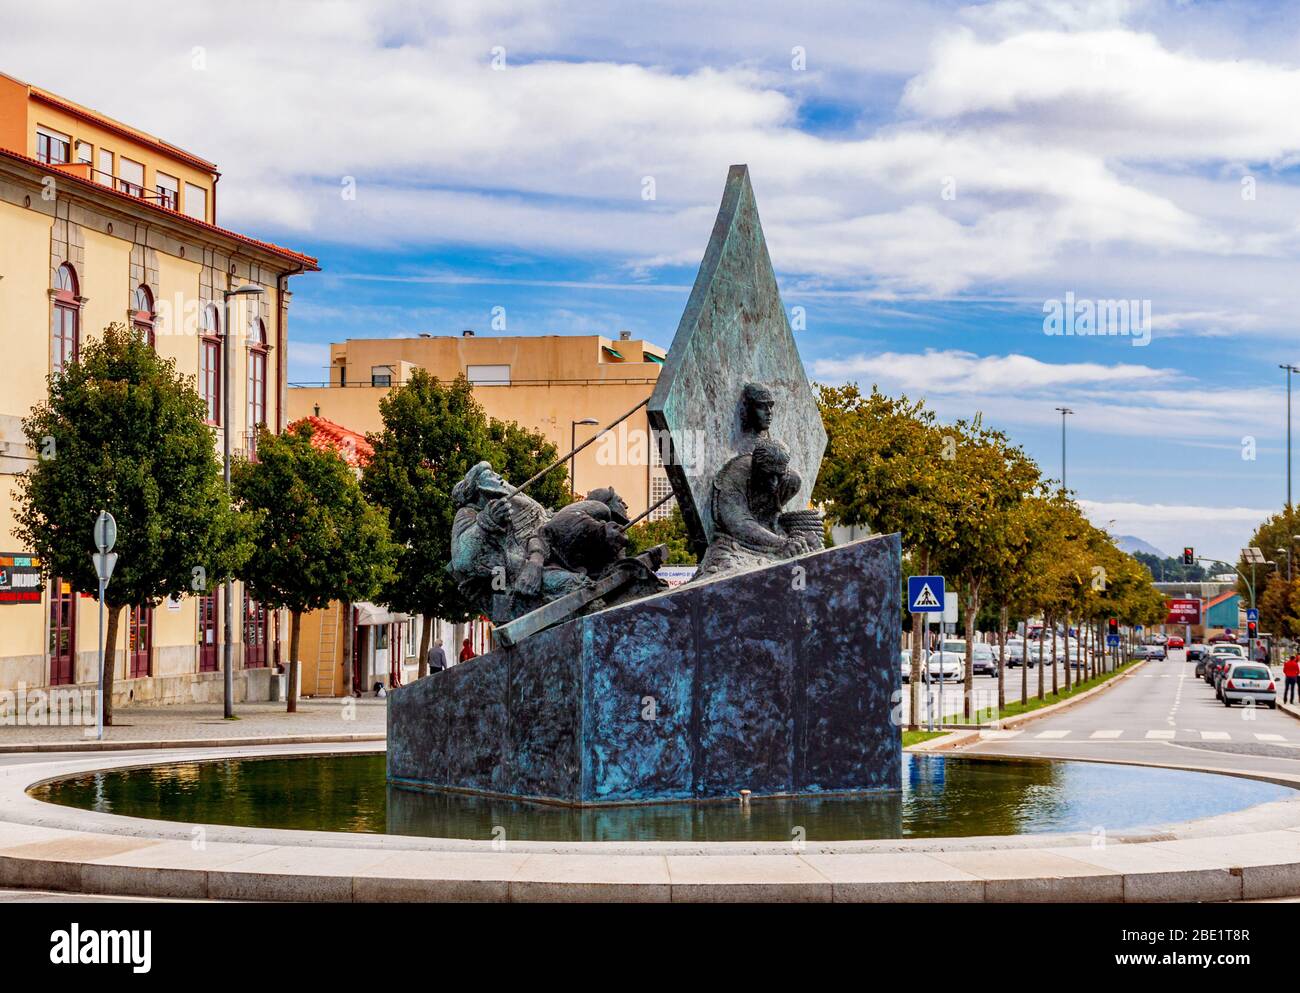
<point x="1252" y="614"/>
<point x="1112" y="641"/>
<point x="925" y="594"/>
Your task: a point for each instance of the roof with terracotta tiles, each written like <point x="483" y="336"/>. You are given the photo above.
<point x="329" y="436"/>
<point x="306" y="261"/>
<point x="1220" y="598"/>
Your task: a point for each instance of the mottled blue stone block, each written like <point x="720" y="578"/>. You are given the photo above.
<point x="780" y="680"/>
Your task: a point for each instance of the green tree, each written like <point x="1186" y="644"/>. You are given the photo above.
<point x="670" y="531"/>
<point x="886" y="468"/>
<point x="1273" y="538"/>
<point x="988" y="478"/>
<point x="315" y="538"/>
<point x="433" y="433"/>
<point x="122" y="431"/>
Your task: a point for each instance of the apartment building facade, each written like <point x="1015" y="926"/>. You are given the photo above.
<point x="99" y="223"/>
<point x="553" y="384"/>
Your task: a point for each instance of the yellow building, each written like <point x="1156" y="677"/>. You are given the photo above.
<point x="551" y="384"/>
<point x="102" y="222"/>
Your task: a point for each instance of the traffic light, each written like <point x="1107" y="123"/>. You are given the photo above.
<point x="1189" y="555"/>
<point x="1112" y="627"/>
<point x="1252" y="630"/>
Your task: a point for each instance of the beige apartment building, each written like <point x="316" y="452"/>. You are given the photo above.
<point x="553" y="384"/>
<point x="102" y="222"/>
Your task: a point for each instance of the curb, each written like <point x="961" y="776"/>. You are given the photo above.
<point x="10" y="748"/>
<point x="951" y="740"/>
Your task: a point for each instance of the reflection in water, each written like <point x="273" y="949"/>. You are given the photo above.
<point x="941" y="797"/>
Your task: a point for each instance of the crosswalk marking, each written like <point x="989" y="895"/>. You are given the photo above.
<point x="1113" y="734"/>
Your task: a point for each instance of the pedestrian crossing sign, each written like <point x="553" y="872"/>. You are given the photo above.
<point x="925" y="594"/>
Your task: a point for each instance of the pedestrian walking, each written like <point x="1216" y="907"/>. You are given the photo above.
<point x="1291" y="670"/>
<point x="437" y="657"/>
<point x="466" y="651"/>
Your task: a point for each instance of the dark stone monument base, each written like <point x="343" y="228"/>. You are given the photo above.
<point x="780" y="680"/>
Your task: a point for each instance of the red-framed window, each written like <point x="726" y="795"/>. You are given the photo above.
<point x="256" y="382"/>
<point x="52" y="148"/>
<point x="255" y="633"/>
<point x="208" y="633"/>
<point x="139" y="646"/>
<point x="63" y="634"/>
<point x="65" y="321"/>
<point x="142" y="314"/>
<point x="210" y="345"/>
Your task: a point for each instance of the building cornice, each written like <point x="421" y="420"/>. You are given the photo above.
<point x="116" y="204"/>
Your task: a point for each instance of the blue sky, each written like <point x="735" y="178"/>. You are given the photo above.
<point x="930" y="175"/>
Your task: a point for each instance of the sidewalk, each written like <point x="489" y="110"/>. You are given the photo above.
<point x="339" y="719"/>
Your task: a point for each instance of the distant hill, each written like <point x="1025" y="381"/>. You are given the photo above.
<point x="1131" y="543"/>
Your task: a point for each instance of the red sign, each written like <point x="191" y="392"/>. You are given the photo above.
<point x="1183" y="611"/>
<point x="20" y="578"/>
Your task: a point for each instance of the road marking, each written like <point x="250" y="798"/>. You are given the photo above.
<point x="1269" y="737"/>
<point x="1161" y="735"/>
<point x="1215" y="736"/>
<point x="1000" y="735"/>
<point x="1105" y="734"/>
<point x="1052" y="734"/>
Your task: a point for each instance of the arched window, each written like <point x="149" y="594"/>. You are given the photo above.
<point x="65" y="321"/>
<point x="210" y="345"/>
<point x="256" y="382"/>
<point x="142" y="314"/>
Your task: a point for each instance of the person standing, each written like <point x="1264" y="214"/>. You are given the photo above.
<point x="437" y="657"/>
<point x="1291" y="670"/>
<point x="466" y="651"/>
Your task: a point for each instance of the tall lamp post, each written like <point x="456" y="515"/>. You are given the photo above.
<point x="227" y="425"/>
<point x="1289" y="369"/>
<point x="1064" y="412"/>
<point x="573" y="443"/>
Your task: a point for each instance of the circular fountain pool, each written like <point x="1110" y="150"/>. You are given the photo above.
<point x="941" y="797"/>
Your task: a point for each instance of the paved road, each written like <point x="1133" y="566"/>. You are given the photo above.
<point x="1162" y="713"/>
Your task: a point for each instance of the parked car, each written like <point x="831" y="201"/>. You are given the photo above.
<point x="1220" y="656"/>
<point x="1152" y="651"/>
<point x="1223" y="638"/>
<point x="1226" y="660"/>
<point x="1197" y="651"/>
<point x="905" y="660"/>
<point x="1248" y="682"/>
<point x="982" y="659"/>
<point x="1174" y="642"/>
<point x="1015" y="652"/>
<point x="949" y="665"/>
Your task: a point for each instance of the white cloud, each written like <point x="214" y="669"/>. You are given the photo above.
<point x="964" y="372"/>
<point x="1214" y="531"/>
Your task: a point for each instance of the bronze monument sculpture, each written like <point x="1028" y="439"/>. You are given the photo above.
<point x="774" y="671"/>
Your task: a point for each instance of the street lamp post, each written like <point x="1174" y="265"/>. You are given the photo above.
<point x="1289" y="369"/>
<point x="227" y="425"/>
<point x="1064" y="412"/>
<point x="573" y="443"/>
